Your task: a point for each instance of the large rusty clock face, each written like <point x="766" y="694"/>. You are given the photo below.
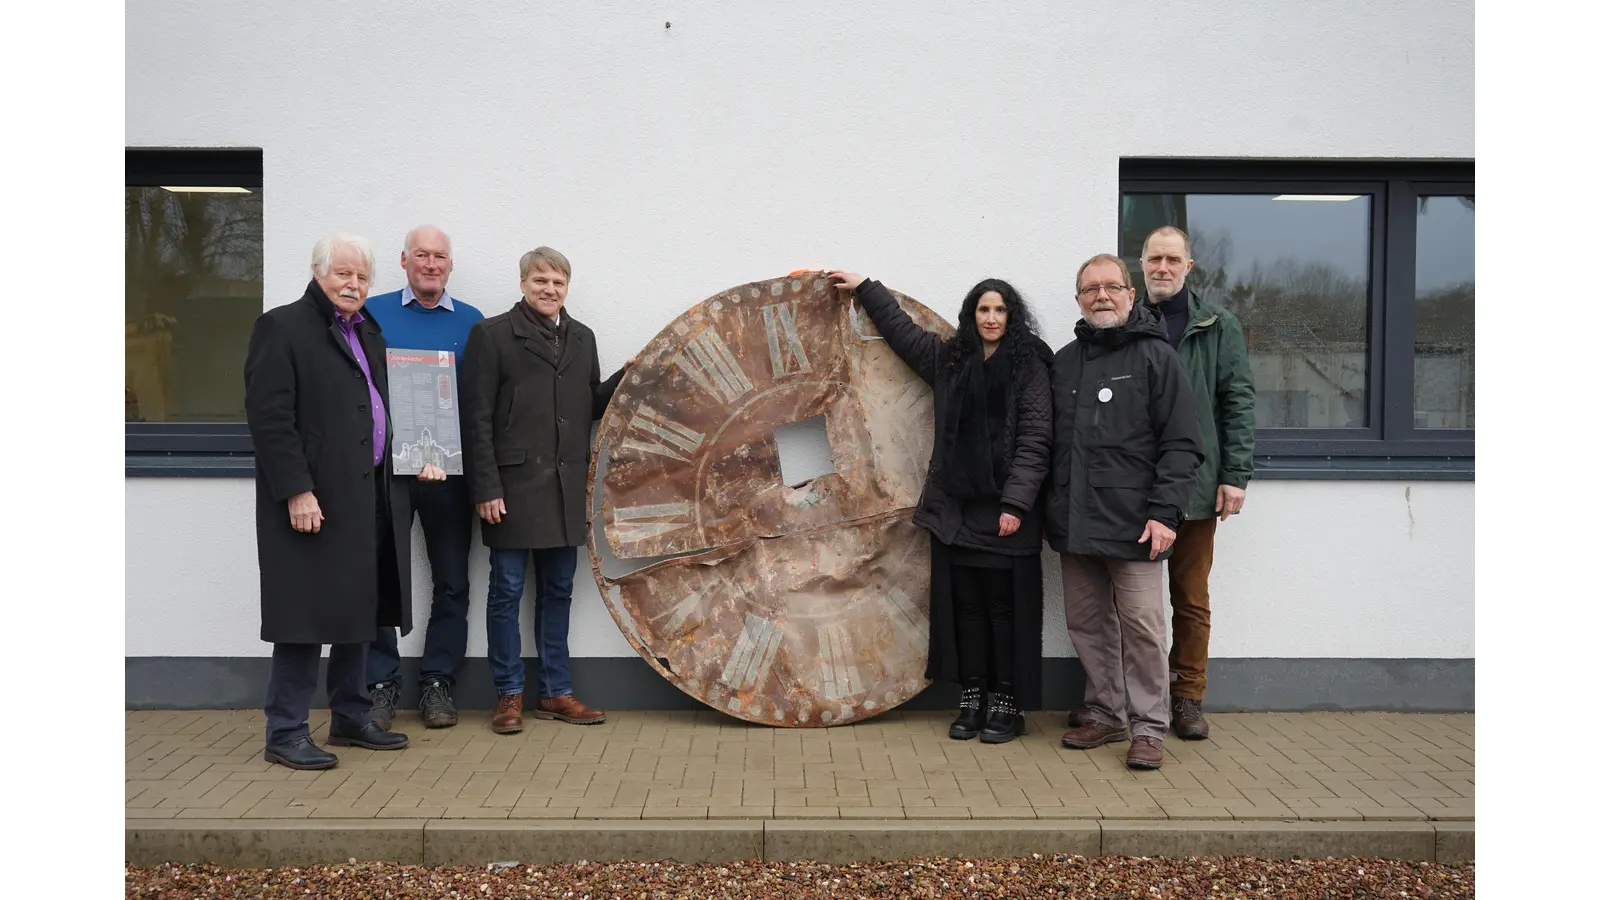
<point x="797" y="605"/>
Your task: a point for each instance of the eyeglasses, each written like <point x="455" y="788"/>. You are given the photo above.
<point x="1112" y="290"/>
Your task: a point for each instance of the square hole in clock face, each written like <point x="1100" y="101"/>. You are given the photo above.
<point x="803" y="451"/>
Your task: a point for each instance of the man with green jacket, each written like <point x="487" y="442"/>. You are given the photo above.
<point x="1211" y="345"/>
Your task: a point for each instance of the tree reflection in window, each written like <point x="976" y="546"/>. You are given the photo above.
<point x="193" y="286"/>
<point x="1295" y="273"/>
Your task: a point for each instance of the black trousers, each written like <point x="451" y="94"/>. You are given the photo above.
<point x="293" y="681"/>
<point x="986" y="635"/>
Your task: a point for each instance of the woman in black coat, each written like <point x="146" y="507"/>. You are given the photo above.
<point x="992" y="431"/>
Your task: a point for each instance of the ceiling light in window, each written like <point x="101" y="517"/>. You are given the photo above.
<point x="204" y="189"/>
<point x="1332" y="198"/>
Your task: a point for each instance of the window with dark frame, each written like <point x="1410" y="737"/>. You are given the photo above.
<point x="193" y="283"/>
<point x="1354" y="285"/>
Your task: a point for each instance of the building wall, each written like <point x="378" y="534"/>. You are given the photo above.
<point x="926" y="145"/>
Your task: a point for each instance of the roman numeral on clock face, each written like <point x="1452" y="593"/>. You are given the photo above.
<point x="652" y="432"/>
<point x="708" y="361"/>
<point x="635" y="523"/>
<point x="783" y="340"/>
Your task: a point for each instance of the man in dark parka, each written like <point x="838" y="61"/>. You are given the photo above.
<point x="333" y="552"/>
<point x="531" y="391"/>
<point x="1127" y="447"/>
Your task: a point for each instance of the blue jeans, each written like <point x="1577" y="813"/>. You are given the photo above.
<point x="446" y="514"/>
<point x="552" y="612"/>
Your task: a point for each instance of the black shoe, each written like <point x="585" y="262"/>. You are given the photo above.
<point x="384" y="697"/>
<point x="1005" y="720"/>
<point x="367" y="734"/>
<point x="1188" y="722"/>
<point x="437" y="707"/>
<point x="299" y="753"/>
<point x="970" y="718"/>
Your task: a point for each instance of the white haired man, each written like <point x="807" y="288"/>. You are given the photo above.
<point x="334" y="555"/>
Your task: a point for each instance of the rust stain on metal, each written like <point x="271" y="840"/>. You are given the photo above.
<point x="796" y="605"/>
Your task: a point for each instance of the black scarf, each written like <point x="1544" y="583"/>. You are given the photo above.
<point x="972" y="449"/>
<point x="555" y="334"/>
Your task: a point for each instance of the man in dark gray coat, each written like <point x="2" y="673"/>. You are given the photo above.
<point x="1127" y="448"/>
<point x="531" y="391"/>
<point x="332" y="526"/>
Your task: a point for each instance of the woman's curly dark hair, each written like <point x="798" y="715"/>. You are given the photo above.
<point x="1022" y="329"/>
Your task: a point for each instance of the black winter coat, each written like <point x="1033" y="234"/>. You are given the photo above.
<point x="526" y="423"/>
<point x="1127" y="439"/>
<point x="975" y="525"/>
<point x="307" y="405"/>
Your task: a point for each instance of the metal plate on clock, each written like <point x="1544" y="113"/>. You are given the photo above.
<point x="795" y="605"/>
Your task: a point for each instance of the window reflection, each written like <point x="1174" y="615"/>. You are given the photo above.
<point x="1444" y="392"/>
<point x="1295" y="270"/>
<point x="193" y="282"/>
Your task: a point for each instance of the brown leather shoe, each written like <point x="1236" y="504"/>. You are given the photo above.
<point x="568" y="708"/>
<point x="1144" y="753"/>
<point x="1092" y="734"/>
<point x="1188" y="722"/>
<point x="507" y="714"/>
<point x="1077" y="716"/>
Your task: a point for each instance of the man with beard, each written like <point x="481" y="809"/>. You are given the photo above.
<point x="1127" y="446"/>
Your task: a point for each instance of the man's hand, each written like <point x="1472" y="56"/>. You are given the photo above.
<point x="1229" y="500"/>
<point x="305" y="515"/>
<point x="492" y="511"/>
<point x="1009" y="524"/>
<point x="431" y="473"/>
<point x="1159" y="536"/>
<point x="845" y="279"/>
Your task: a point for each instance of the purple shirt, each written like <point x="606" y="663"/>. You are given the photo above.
<point x="347" y="327"/>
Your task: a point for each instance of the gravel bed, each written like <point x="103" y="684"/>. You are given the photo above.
<point x="1059" y="876"/>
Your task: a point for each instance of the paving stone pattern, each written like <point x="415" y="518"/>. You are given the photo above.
<point x="650" y="765"/>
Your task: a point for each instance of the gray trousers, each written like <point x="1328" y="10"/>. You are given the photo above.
<point x="1117" y="619"/>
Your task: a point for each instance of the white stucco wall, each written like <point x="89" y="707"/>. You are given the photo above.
<point x="927" y="145"/>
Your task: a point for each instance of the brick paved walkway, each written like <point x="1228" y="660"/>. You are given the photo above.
<point x="699" y="765"/>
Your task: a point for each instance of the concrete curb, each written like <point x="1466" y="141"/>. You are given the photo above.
<point x="269" y="843"/>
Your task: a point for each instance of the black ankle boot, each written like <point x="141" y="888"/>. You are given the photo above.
<point x="970" y="717"/>
<point x="1005" y="720"/>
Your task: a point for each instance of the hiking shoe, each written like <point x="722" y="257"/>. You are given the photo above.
<point x="385" y="695"/>
<point x="437" y="707"/>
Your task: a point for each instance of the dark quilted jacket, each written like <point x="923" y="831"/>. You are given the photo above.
<point x="975" y="525"/>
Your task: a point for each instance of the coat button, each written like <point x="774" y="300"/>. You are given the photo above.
<point x="367" y="474"/>
<point x="561" y="420"/>
<point x="366" y="441"/>
<point x="362" y="407"/>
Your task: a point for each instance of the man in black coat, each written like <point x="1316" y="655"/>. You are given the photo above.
<point x="531" y="391"/>
<point x="332" y="526"/>
<point x="1127" y="450"/>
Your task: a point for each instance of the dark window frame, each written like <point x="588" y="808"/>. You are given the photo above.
<point x="163" y="448"/>
<point x="1390" y="446"/>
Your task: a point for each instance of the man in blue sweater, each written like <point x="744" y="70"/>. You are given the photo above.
<point x="423" y="316"/>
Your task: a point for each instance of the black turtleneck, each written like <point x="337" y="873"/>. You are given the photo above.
<point x="1175" y="312"/>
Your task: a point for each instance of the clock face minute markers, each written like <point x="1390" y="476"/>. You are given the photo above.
<point x="796" y="605"/>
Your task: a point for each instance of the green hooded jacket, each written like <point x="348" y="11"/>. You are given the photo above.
<point x="1213" y="353"/>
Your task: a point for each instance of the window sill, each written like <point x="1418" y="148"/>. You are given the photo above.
<point x="148" y="465"/>
<point x="1358" y="468"/>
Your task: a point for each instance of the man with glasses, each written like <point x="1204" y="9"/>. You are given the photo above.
<point x="1127" y="446"/>
<point x="423" y="316"/>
